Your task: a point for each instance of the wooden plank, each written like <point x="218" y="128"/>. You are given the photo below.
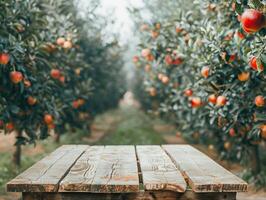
<point x="148" y="195"/>
<point x="45" y="175"/>
<point x="158" y="171"/>
<point x="201" y="172"/>
<point x="81" y="175"/>
<point x="109" y="169"/>
<point x="117" y="172"/>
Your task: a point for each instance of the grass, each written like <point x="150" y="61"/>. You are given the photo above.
<point x="8" y="170"/>
<point x="135" y="128"/>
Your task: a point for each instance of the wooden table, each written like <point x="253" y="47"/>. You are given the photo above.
<point x="81" y="172"/>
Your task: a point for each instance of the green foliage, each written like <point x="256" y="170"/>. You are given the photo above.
<point x="207" y="36"/>
<point x="64" y="69"/>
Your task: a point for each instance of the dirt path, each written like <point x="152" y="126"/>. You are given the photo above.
<point x="5" y="141"/>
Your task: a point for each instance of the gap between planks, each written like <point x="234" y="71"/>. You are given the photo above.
<point x="65" y="174"/>
<point x="141" y="186"/>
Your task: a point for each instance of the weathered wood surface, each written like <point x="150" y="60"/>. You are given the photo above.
<point x="45" y="175"/>
<point x="81" y="175"/>
<point x="148" y="195"/>
<point x="111" y="172"/>
<point x="201" y="172"/>
<point x="158" y="171"/>
<point x="109" y="169"/>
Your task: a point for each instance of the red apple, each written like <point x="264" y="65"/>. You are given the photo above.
<point x="177" y="61"/>
<point x="212" y="99"/>
<point x="205" y="72"/>
<point x="4" y="58"/>
<point x="165" y="79"/>
<point x="221" y="101"/>
<point x="195" y="102"/>
<point x="10" y="126"/>
<point x="60" y="41"/>
<point x="252" y="20"/>
<point x="62" y="79"/>
<point x="259" y="101"/>
<point x="188" y="92"/>
<point x="168" y="60"/>
<point x="67" y="45"/>
<point x="178" y="29"/>
<point x="232" y="132"/>
<point x="232" y="58"/>
<point x="27" y="83"/>
<point x="48" y="119"/>
<point x="16" y="77"/>
<point x="150" y="57"/>
<point x="31" y="100"/>
<point x="145" y="52"/>
<point x="254" y="65"/>
<point x="75" y="104"/>
<point x="55" y="73"/>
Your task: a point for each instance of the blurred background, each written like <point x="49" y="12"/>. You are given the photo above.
<point x="134" y="72"/>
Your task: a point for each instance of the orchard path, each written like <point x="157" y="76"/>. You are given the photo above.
<point x="125" y="125"/>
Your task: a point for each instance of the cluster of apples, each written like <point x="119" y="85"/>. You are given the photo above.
<point x="154" y="33"/>
<point x="169" y="60"/>
<point x="197" y="102"/>
<point x="163" y="78"/>
<point x="56" y="74"/>
<point x="15" y="76"/>
<point x="253" y="21"/>
<point x="243" y="76"/>
<point x="147" y="54"/>
<point x="78" y="103"/>
<point x="64" y="43"/>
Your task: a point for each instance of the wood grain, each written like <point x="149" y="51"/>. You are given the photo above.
<point x="81" y="175"/>
<point x="201" y="172"/>
<point x="158" y="171"/>
<point x="109" y="169"/>
<point x="45" y="175"/>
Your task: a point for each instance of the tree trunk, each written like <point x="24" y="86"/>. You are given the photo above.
<point x="57" y="138"/>
<point x="17" y="153"/>
<point x="255" y="159"/>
